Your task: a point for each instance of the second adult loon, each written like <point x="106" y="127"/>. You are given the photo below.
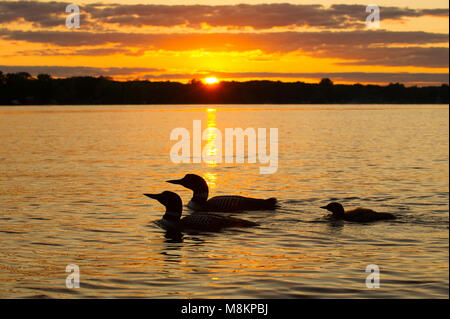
<point x="200" y="201"/>
<point x="361" y="215"/>
<point x="204" y="222"/>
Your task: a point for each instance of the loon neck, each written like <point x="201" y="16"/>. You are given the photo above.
<point x="339" y="214"/>
<point x="172" y="216"/>
<point x="201" y="193"/>
<point x="200" y="197"/>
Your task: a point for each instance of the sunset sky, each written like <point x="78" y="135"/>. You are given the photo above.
<point x="297" y="40"/>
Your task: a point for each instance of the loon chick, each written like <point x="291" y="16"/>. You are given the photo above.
<point x="204" y="222"/>
<point x="361" y="215"/>
<point x="200" y="201"/>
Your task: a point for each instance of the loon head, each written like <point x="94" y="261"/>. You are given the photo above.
<point x="336" y="208"/>
<point x="172" y="202"/>
<point x="195" y="183"/>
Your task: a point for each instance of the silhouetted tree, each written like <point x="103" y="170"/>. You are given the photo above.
<point x="195" y="82"/>
<point x="44" y="77"/>
<point x="326" y="82"/>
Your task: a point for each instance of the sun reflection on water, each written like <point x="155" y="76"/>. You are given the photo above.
<point x="211" y="140"/>
<point x="211" y="147"/>
<point x="210" y="179"/>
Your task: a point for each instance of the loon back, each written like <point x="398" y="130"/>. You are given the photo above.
<point x="211" y="222"/>
<point x="232" y="203"/>
<point x="204" y="222"/>
<point x="361" y="215"/>
<point x="200" y="202"/>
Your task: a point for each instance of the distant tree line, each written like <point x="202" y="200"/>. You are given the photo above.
<point x="23" y="89"/>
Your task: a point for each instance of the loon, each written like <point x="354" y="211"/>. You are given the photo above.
<point x="200" y="201"/>
<point x="196" y="222"/>
<point x="361" y="215"/>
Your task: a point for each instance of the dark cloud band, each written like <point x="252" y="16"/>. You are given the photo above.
<point x="258" y="16"/>
<point x="160" y="74"/>
<point x="361" y="47"/>
<point x="362" y="77"/>
<point x="66" y="71"/>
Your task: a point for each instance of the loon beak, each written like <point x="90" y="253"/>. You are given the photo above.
<point x="175" y="181"/>
<point x="324" y="207"/>
<point x="154" y="196"/>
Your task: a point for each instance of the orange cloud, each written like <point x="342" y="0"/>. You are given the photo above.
<point x="362" y="47"/>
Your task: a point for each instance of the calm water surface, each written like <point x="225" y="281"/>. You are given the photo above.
<point x="72" y="178"/>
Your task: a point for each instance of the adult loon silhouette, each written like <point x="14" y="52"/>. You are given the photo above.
<point x="196" y="222"/>
<point x="359" y="214"/>
<point x="228" y="203"/>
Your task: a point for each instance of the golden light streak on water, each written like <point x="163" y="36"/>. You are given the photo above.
<point x="211" y="144"/>
<point x="210" y="179"/>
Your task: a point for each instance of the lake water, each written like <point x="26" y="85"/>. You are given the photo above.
<point x="72" y="178"/>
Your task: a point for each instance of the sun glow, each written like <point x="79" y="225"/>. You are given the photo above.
<point x="211" y="80"/>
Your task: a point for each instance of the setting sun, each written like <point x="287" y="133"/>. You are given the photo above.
<point x="211" y="80"/>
